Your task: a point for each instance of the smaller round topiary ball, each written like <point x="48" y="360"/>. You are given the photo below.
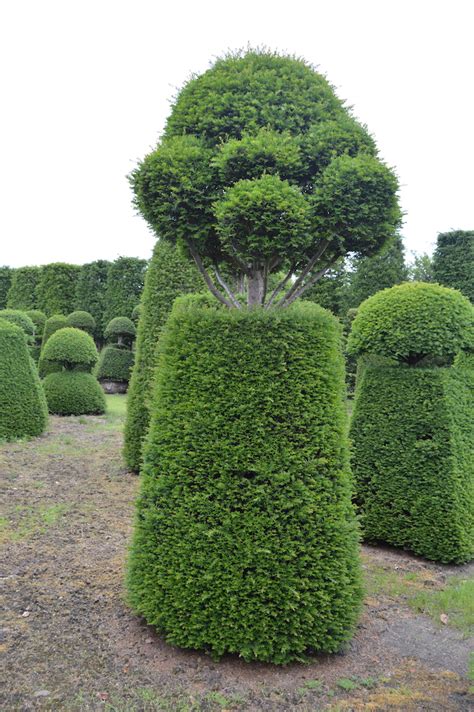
<point x="71" y="348"/>
<point x="73" y="393"/>
<point x="82" y="320"/>
<point x="120" y="328"/>
<point x="412" y="321"/>
<point x="21" y="319"/>
<point x="55" y="322"/>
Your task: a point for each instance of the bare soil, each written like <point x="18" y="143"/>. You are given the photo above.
<point x="69" y="642"/>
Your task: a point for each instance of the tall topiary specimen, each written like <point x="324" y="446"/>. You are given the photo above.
<point x="5" y="284"/>
<point x="22" y="292"/>
<point x="125" y="279"/>
<point x="453" y="261"/>
<point x="116" y="360"/>
<point x="245" y="539"/>
<point x="168" y="276"/>
<point x="56" y="288"/>
<point x="82" y="320"/>
<point x="261" y="169"/>
<point x="73" y="390"/>
<point x="23" y="409"/>
<point x="413" y="422"/>
<point x="90" y="291"/>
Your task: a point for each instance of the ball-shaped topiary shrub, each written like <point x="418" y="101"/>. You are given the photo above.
<point x="115" y="364"/>
<point x="120" y="329"/>
<point x="55" y="322"/>
<point x="245" y="538"/>
<point x="22" y="320"/>
<point x="412" y="321"/>
<point x="23" y="410"/>
<point x="82" y="320"/>
<point x="71" y="348"/>
<point x="74" y="393"/>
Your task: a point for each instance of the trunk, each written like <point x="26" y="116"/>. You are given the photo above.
<point x="256" y="288"/>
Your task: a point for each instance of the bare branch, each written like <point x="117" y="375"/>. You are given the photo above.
<point x="309" y="266"/>
<point x="287" y="300"/>
<point x="212" y="287"/>
<point x="280" y="286"/>
<point x="226" y="287"/>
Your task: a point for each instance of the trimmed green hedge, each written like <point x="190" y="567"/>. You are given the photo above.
<point x="90" y="290"/>
<point x="23" y="409"/>
<point x="168" y="276"/>
<point x="413" y="459"/>
<point x="115" y="364"/>
<point x="125" y="278"/>
<point x="71" y="347"/>
<point x="6" y="274"/>
<point x="245" y="538"/>
<point x="56" y="288"/>
<point x="74" y="393"/>
<point x="22" y="292"/>
<point x="82" y="320"/>
<point x="453" y="261"/>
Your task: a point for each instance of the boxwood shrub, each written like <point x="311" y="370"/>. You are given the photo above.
<point x="115" y="364"/>
<point x="74" y="393"/>
<point x="71" y="348"/>
<point x="23" y="409"/>
<point x="245" y="537"/>
<point x="413" y="459"/>
<point x="168" y="276"/>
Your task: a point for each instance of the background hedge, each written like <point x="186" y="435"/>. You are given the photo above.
<point x="245" y="538"/>
<point x="168" y="276"/>
<point x="115" y="364"/>
<point x="23" y="409"/>
<point x="413" y="459"/>
<point x="125" y="279"/>
<point x="453" y="261"/>
<point x="56" y="288"/>
<point x="74" y="393"/>
<point x="22" y="292"/>
<point x="6" y="274"/>
<point x="90" y="291"/>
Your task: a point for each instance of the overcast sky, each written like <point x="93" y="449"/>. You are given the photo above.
<point x="86" y="86"/>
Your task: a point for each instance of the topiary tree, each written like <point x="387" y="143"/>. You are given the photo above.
<point x="372" y="274"/>
<point x="121" y="331"/>
<point x="22" y="320"/>
<point x="413" y="425"/>
<point x="23" y="412"/>
<point x="125" y="281"/>
<point x="90" y="291"/>
<point x="22" y="292"/>
<point x="168" y="276"/>
<point x="53" y="324"/>
<point x="82" y="320"/>
<point x="332" y="290"/>
<point x="5" y="284"/>
<point x="116" y="360"/>
<point x="56" y="288"/>
<point x="453" y="261"/>
<point x="73" y="390"/>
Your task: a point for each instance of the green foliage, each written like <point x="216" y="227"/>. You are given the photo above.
<point x="413" y="459"/>
<point x="411" y="321"/>
<point x="169" y="276"/>
<point x="39" y="320"/>
<point x="90" y="290"/>
<point x="453" y="261"/>
<point x="73" y="393"/>
<point x="332" y="291"/>
<point x="136" y="313"/>
<point x="421" y="269"/>
<point x="261" y="163"/>
<point x="371" y="274"/>
<point x="71" y="347"/>
<point x="5" y="284"/>
<point x="115" y="364"/>
<point x="23" y="407"/>
<point x="124" y="287"/>
<point x="20" y="319"/>
<point x="22" y="292"/>
<point x="55" y="322"/>
<point x="56" y="288"/>
<point x="245" y="538"/>
<point x="82" y="320"/>
<point x="120" y="326"/>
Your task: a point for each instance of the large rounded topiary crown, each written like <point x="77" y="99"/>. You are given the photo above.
<point x="71" y="347"/>
<point x="82" y="320"/>
<point x="411" y="321"/>
<point x="120" y="326"/>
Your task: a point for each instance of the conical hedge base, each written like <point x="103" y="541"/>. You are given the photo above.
<point x="245" y="538"/>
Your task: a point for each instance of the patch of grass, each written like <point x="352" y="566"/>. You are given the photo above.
<point x="116" y="411"/>
<point x="456" y="600"/>
<point x="347" y="684"/>
<point x="27" y="522"/>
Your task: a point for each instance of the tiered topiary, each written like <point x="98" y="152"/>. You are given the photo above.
<point x="53" y="324"/>
<point x="82" y="320"/>
<point x="116" y="360"/>
<point x="23" y="409"/>
<point x="413" y="422"/>
<point x="39" y="320"/>
<point x="168" y="276"/>
<point x="73" y="390"/>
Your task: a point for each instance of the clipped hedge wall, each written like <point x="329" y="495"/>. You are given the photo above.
<point x="125" y="280"/>
<point x="90" y="291"/>
<point x="413" y="459"/>
<point x="6" y="274"/>
<point x="115" y="364"/>
<point x="55" y="292"/>
<point x="74" y="393"/>
<point x="23" y="409"/>
<point x="168" y="276"/>
<point x="245" y="538"/>
<point x="453" y="261"/>
<point x="22" y="292"/>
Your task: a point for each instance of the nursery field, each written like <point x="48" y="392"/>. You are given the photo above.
<point x="69" y="641"/>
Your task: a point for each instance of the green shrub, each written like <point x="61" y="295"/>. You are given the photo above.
<point x="245" y="538"/>
<point x="115" y="364"/>
<point x="125" y="279"/>
<point x="5" y="284"/>
<point x="23" y="409"/>
<point x="120" y="326"/>
<point x="136" y="313"/>
<point x="20" y="319"/>
<point x="55" y="322"/>
<point x="82" y="320"/>
<point x="90" y="291"/>
<point x="56" y="288"/>
<point x="168" y="276"/>
<point x="71" y="348"/>
<point x="413" y="459"/>
<point x="412" y="321"/>
<point x="453" y="261"/>
<point x="22" y="292"/>
<point x="74" y="393"/>
<point x="39" y="320"/>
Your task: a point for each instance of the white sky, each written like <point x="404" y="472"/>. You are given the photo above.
<point x="85" y="90"/>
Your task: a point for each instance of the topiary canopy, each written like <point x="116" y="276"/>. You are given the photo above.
<point x="120" y="326"/>
<point x="82" y="320"/>
<point x="55" y="322"/>
<point x="71" y="347"/>
<point x="74" y="393"/>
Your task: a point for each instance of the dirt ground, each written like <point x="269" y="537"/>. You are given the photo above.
<point x="69" y="642"/>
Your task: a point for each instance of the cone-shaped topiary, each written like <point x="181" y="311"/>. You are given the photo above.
<point x="73" y="390"/>
<point x="82" y="320"/>
<point x="21" y="319"/>
<point x="115" y="364"/>
<point x="23" y="410"/>
<point x="245" y="537"/>
<point x="168" y="276"/>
